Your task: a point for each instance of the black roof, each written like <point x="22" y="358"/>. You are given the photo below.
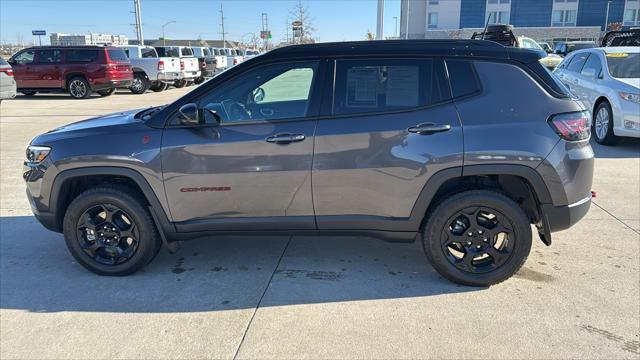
<point x="467" y="48"/>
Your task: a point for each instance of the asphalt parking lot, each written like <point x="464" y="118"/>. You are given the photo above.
<point x="312" y="297"/>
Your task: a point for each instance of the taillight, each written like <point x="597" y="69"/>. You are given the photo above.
<point x="572" y="126"/>
<point x="9" y="72"/>
<point x="235" y="61"/>
<point x="203" y="64"/>
<point x="160" y="65"/>
<point x="181" y="65"/>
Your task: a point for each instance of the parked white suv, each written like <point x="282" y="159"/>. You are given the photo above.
<point x="221" y="57"/>
<point x="151" y="71"/>
<point x="189" y="66"/>
<point x="607" y="80"/>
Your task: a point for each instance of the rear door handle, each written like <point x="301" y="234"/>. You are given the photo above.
<point x="429" y="128"/>
<point x="285" y="138"/>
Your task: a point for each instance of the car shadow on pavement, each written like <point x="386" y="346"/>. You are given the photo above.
<point x="625" y="148"/>
<point x="38" y="274"/>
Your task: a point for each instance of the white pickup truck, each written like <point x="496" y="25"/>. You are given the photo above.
<point x="221" y="58"/>
<point x="151" y="71"/>
<point x="189" y="66"/>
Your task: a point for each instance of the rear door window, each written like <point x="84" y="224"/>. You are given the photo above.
<point x="371" y="86"/>
<point x="81" y="55"/>
<point x="49" y="56"/>
<point x="578" y="62"/>
<point x="149" y="53"/>
<point x="187" y="52"/>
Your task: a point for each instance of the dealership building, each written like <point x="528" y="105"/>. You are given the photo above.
<point x="88" y="39"/>
<point x="539" y="19"/>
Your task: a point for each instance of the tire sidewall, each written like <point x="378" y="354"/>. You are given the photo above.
<point x="145" y="84"/>
<point x="147" y="241"/>
<point x="609" y="138"/>
<point x="87" y="93"/>
<point x="438" y="220"/>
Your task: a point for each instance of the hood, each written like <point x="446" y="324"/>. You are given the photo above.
<point x="118" y="118"/>
<point x="635" y="82"/>
<point x="106" y="123"/>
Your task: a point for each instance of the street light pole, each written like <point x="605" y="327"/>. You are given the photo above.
<point x="606" y="21"/>
<point x="164" y="40"/>
<point x="395" y="31"/>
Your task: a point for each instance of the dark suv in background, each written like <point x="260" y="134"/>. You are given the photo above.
<point x="78" y="70"/>
<point x="462" y="144"/>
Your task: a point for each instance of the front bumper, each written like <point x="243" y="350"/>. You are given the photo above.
<point x="34" y="176"/>
<point x="626" y="119"/>
<point x="563" y="217"/>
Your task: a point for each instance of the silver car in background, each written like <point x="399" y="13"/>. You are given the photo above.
<point x="607" y="81"/>
<point x="7" y="82"/>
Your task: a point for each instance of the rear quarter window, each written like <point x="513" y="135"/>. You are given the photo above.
<point x="81" y="55"/>
<point x="462" y="78"/>
<point x="577" y="62"/>
<point x="149" y="53"/>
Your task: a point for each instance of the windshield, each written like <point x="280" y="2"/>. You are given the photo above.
<point x="624" y="65"/>
<point x="579" y="46"/>
<point x="168" y="52"/>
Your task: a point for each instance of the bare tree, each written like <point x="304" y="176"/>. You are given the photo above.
<point x="20" y="40"/>
<point x="304" y="35"/>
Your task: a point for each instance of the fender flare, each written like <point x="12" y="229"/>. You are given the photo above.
<point x="434" y="183"/>
<point x="165" y="225"/>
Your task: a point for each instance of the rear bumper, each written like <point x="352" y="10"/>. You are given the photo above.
<point x="113" y="84"/>
<point x="190" y="75"/>
<point x="169" y="76"/>
<point x="563" y="217"/>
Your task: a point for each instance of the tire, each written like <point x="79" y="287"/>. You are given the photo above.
<point x="159" y="87"/>
<point x="29" y="93"/>
<point x="140" y="84"/>
<point x="198" y="81"/>
<point x="79" y="88"/>
<point x="180" y="83"/>
<point x="189" y="83"/>
<point x="98" y="256"/>
<point x="473" y="268"/>
<point x="108" y="92"/>
<point x="602" y="127"/>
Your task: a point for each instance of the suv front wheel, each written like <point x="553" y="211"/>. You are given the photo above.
<point x="477" y="238"/>
<point x="109" y="231"/>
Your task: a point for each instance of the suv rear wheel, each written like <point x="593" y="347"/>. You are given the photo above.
<point x="477" y="238"/>
<point x="602" y="127"/>
<point x="109" y="231"/>
<point x="79" y="88"/>
<point x="180" y="83"/>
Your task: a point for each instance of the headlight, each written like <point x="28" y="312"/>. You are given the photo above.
<point x="36" y="154"/>
<point x="630" y="97"/>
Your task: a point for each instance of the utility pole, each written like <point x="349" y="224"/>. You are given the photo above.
<point x="136" y="9"/>
<point x="380" y="24"/>
<point x="395" y="31"/>
<point x="406" y="34"/>
<point x="286" y="26"/>
<point x="265" y="28"/>
<point x="224" y="43"/>
<point x="606" y="21"/>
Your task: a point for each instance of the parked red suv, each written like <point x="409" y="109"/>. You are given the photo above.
<point x="79" y="70"/>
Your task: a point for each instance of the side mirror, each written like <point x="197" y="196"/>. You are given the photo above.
<point x="258" y="95"/>
<point x="11" y="62"/>
<point x="548" y="51"/>
<point x="590" y="73"/>
<point x="189" y="115"/>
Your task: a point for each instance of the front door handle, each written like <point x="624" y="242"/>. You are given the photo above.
<point x="285" y="138"/>
<point x="429" y="128"/>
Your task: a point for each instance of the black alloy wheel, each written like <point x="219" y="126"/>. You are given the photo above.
<point x="478" y="239"/>
<point x="107" y="234"/>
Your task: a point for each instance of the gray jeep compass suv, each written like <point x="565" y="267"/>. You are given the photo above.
<point x="461" y="144"/>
